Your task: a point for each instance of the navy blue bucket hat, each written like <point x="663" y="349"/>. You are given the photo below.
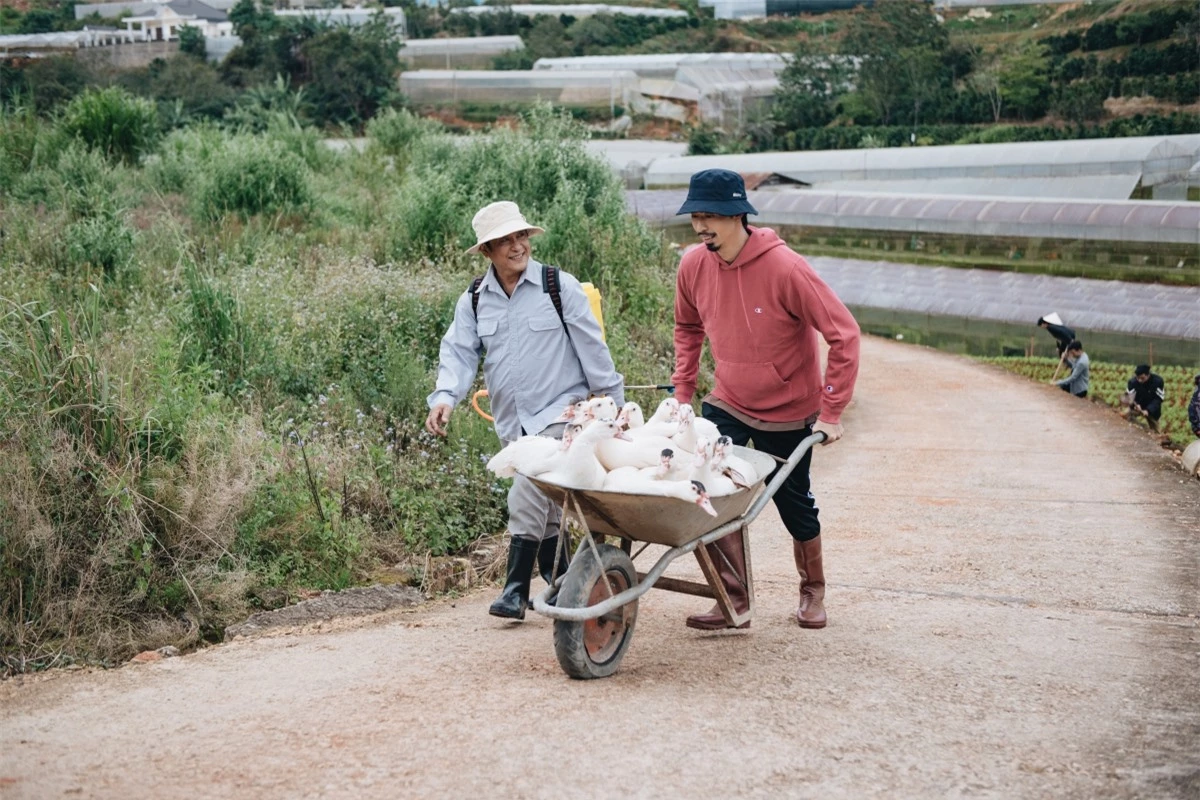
<point x="717" y="191"/>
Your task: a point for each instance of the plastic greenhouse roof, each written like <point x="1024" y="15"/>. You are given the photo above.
<point x="667" y="63"/>
<point x="577" y="11"/>
<point x="1089" y="305"/>
<point x="520" y="78"/>
<point x="463" y="45"/>
<point x="1109" y="187"/>
<point x="1156" y="157"/>
<point x="1063" y="218"/>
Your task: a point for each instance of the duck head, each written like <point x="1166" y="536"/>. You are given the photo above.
<point x="630" y="416"/>
<point x="701" y="498"/>
<point x="667" y="411"/>
<point x="704" y="451"/>
<point x="664" y="462"/>
<point x="602" y="408"/>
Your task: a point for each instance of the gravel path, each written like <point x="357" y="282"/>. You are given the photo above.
<point x="1013" y="614"/>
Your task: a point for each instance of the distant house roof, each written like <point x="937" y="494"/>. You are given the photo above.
<point x="184" y="8"/>
<point x="194" y="8"/>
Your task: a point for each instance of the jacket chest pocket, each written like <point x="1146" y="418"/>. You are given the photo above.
<point x="486" y="329"/>
<point x="541" y="326"/>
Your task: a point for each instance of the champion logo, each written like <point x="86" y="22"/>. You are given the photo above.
<point x="758" y="311"/>
<point x="737" y="194"/>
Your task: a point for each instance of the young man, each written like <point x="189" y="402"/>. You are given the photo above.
<point x="761" y="307"/>
<point x="1063" y="336"/>
<point x="1144" y="394"/>
<point x="1080" y="378"/>
<point x="536" y="361"/>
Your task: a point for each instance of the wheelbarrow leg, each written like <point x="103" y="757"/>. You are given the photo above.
<point x="726" y="566"/>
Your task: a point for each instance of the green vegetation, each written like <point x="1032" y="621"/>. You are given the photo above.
<point x="938" y="84"/>
<point x="1108" y="382"/>
<point x="214" y="361"/>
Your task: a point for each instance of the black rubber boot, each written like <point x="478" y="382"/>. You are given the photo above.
<point x="513" y="601"/>
<point x="545" y="559"/>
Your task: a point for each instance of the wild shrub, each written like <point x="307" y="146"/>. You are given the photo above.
<point x="254" y="175"/>
<point x="105" y="242"/>
<point x="394" y="131"/>
<point x="113" y="122"/>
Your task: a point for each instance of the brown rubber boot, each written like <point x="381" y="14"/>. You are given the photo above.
<point x="734" y="580"/>
<point x="811" y="612"/>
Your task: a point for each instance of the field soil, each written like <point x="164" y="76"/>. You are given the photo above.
<point x="1013" y="597"/>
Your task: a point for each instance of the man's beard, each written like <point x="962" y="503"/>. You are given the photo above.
<point x="712" y="247"/>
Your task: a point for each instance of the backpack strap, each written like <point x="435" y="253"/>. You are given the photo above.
<point x="550" y="286"/>
<point x="475" y="284"/>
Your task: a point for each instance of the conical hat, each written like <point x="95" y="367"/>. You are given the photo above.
<point x="1053" y="318"/>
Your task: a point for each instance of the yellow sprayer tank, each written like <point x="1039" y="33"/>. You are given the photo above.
<point x="593" y="296"/>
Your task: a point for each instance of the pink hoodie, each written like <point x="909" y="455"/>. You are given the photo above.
<point x="761" y="315"/>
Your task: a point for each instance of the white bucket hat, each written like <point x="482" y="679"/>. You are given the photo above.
<point x="497" y="220"/>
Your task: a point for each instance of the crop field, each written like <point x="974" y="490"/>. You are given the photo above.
<point x="1108" y="382"/>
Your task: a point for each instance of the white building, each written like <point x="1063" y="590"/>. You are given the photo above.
<point x="161" y="21"/>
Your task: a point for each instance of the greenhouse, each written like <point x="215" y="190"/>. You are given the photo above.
<point x="1099" y="220"/>
<point x="579" y="89"/>
<point x="667" y="65"/>
<point x="722" y="88"/>
<point x="472" y="52"/>
<point x="1155" y="160"/>
<point x="576" y="11"/>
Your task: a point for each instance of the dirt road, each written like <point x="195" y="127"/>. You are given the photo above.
<point x="1013" y="601"/>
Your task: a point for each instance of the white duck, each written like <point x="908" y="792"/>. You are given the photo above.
<point x="531" y="454"/>
<point x="736" y="468"/>
<point x="579" y="469"/>
<point x="665" y="421"/>
<point x="630" y="481"/>
<point x="633" y="451"/>
<point x="602" y="408"/>
<point x="630" y="416"/>
<point x="574" y="412"/>
<point x="667" y="411"/>
<point x="706" y="470"/>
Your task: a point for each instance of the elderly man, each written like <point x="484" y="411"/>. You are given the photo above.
<point x="761" y="306"/>
<point x="542" y="349"/>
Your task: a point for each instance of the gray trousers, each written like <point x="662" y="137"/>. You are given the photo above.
<point x="531" y="515"/>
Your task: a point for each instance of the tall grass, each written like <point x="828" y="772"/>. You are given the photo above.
<point x="214" y="363"/>
<point x="113" y="122"/>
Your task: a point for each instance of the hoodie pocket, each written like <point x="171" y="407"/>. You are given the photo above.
<point x="754" y="385"/>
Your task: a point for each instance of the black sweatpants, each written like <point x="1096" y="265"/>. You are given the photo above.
<point x="797" y="507"/>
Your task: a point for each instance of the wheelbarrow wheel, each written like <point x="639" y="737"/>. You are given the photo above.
<point x="594" y="648"/>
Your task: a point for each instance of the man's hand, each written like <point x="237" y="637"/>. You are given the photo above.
<point x="832" y="430"/>
<point x="438" y="419"/>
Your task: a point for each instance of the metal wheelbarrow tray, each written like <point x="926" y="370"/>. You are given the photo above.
<point x="595" y="601"/>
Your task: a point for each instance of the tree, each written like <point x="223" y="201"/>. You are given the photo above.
<point x="350" y="74"/>
<point x="986" y="81"/>
<point x="192" y="43"/>
<point x="38" y="20"/>
<point x="809" y="87"/>
<point x="1024" y="82"/>
<point x="885" y="38"/>
<point x="548" y="39"/>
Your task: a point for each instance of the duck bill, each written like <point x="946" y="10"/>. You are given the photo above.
<point x="707" y="505"/>
<point x="620" y="434"/>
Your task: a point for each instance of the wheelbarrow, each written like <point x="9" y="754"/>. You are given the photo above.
<point x="596" y="600"/>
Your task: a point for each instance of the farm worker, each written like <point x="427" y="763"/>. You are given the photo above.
<point x="761" y="306"/>
<point x="536" y="361"/>
<point x="1144" y="395"/>
<point x="1063" y="336"/>
<point x="1194" y="408"/>
<point x="1077" y="382"/>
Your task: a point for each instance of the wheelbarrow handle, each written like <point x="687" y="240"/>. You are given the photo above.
<point x="781" y="475"/>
